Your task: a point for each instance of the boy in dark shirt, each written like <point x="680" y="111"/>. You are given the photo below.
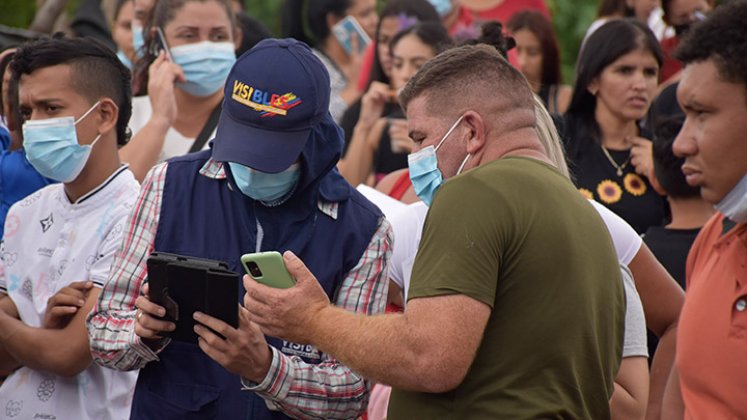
<point x="671" y="243"/>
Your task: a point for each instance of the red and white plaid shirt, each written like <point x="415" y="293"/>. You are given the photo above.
<point x="326" y="390"/>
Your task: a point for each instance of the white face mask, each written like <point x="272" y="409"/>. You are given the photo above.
<point x="734" y="205"/>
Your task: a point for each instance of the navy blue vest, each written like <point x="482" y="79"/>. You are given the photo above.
<point x="209" y="218"/>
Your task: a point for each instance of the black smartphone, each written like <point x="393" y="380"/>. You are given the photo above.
<point x="159" y="43"/>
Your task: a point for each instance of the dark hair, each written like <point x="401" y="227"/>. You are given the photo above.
<point x="13" y="120"/>
<point x="491" y="33"/>
<point x="432" y="34"/>
<point x="96" y="72"/>
<point x="614" y="8"/>
<point x="462" y="71"/>
<point x="4" y="65"/>
<point x="421" y="10"/>
<point x="723" y="38"/>
<point x="161" y="14"/>
<point x="252" y="31"/>
<point x="306" y="20"/>
<point x="667" y="166"/>
<point x="118" y="8"/>
<point x="665" y="4"/>
<point x="541" y="27"/>
<point x="608" y="43"/>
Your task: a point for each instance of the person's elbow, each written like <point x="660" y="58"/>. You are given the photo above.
<point x="73" y="369"/>
<point x="630" y="398"/>
<point x="72" y="362"/>
<point x="438" y="373"/>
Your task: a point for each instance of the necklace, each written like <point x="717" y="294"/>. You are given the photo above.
<point x="612" y="161"/>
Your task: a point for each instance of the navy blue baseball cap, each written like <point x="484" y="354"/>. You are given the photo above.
<point x="275" y="93"/>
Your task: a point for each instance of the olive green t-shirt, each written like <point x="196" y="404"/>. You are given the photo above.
<point x="517" y="236"/>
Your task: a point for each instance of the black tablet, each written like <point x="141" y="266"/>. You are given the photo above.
<point x="184" y="285"/>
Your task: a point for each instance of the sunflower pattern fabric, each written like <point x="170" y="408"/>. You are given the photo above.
<point x="629" y="195"/>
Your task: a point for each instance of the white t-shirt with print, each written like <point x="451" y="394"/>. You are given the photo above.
<point x="175" y="144"/>
<point x="48" y="244"/>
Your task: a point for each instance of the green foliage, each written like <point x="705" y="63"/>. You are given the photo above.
<point x="571" y="18"/>
<point x="267" y="11"/>
<point x="17" y="13"/>
<point x="20" y="13"/>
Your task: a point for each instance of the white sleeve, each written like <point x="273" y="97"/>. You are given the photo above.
<point x="634" y="343"/>
<point x="407" y="226"/>
<point x="141" y="113"/>
<point x="626" y="240"/>
<point x="104" y="258"/>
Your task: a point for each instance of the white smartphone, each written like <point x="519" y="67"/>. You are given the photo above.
<point x="344" y="31"/>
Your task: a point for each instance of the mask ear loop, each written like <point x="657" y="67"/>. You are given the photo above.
<point x="453" y="127"/>
<point x="93" y="143"/>
<point x="464" y="162"/>
<point x="88" y="112"/>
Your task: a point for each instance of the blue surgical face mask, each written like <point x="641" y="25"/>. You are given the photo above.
<point x="138" y="42"/>
<point x="262" y="186"/>
<point x="734" y="205"/>
<point x="424" y="172"/>
<point x="443" y="7"/>
<point x="123" y="58"/>
<point x="205" y="64"/>
<point x="52" y="147"/>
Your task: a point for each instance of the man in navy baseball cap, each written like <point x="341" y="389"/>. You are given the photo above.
<point x="269" y="183"/>
<point x="275" y="93"/>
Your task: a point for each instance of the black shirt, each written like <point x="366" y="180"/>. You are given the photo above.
<point x="385" y="161"/>
<point x="670" y="247"/>
<point x="629" y="195"/>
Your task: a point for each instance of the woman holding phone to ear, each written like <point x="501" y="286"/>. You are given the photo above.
<point x="380" y="145"/>
<point x="319" y="16"/>
<point x="183" y="94"/>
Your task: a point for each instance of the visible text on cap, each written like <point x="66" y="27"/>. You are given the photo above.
<point x="269" y="104"/>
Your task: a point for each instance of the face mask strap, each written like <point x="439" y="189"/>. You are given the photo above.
<point x="464" y="162"/>
<point x="453" y="127"/>
<point x="88" y="112"/>
<point x="93" y="143"/>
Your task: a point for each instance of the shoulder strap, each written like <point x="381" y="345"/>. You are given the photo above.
<point x="207" y="129"/>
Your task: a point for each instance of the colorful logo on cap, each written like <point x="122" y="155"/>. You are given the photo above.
<point x="269" y="104"/>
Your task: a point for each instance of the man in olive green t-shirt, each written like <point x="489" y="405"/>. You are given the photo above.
<point x="516" y="306"/>
<point x="530" y="248"/>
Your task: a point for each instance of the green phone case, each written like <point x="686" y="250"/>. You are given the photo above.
<point x="268" y="268"/>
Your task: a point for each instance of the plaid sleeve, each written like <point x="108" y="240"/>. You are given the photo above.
<point x="330" y="390"/>
<point x="111" y="323"/>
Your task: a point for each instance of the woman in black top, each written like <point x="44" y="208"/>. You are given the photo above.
<point x="617" y="73"/>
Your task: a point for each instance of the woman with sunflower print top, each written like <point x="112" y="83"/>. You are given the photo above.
<point x="610" y="154"/>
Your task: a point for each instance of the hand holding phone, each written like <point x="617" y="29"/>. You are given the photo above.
<point x="159" y="43"/>
<point x="348" y="28"/>
<point x="268" y="268"/>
